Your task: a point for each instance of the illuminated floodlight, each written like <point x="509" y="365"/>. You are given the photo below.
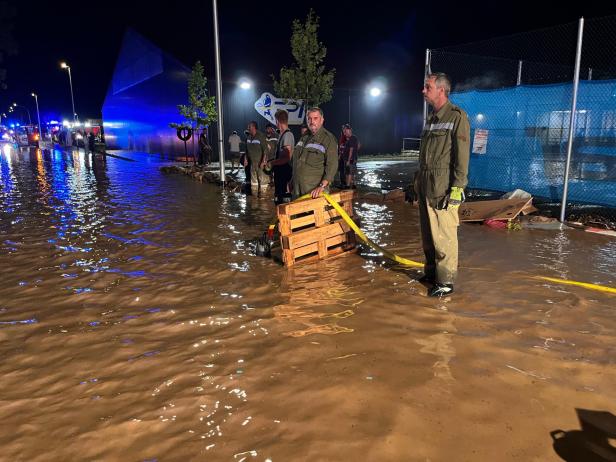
<point x="245" y="84"/>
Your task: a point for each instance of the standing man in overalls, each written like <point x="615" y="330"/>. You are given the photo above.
<point x="443" y="168"/>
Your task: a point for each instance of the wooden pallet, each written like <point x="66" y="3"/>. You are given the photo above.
<point x="312" y="229"/>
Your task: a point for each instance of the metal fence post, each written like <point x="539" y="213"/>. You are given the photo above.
<point x="426" y="72"/>
<point x="572" y="118"/>
<point x="519" y="72"/>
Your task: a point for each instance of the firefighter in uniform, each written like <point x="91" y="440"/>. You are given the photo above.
<point x="272" y="140"/>
<point x="257" y="153"/>
<point x="440" y="182"/>
<point x="315" y="158"/>
<point x="272" y="143"/>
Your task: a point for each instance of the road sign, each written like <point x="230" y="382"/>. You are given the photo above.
<point x="268" y="104"/>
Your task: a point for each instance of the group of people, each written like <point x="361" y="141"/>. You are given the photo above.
<point x="310" y="165"/>
<point x="273" y="157"/>
<point x="76" y="138"/>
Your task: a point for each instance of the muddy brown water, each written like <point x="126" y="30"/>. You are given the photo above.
<point x="135" y="324"/>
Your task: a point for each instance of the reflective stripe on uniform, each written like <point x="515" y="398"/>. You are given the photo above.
<point x="318" y="147"/>
<point x="441" y="126"/>
<point x="253" y="141"/>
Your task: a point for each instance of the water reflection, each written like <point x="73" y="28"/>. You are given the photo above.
<point x="317" y="300"/>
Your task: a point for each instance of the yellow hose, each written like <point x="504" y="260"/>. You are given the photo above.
<point x="407" y="262"/>
<point x="586" y="285"/>
<point x="363" y="237"/>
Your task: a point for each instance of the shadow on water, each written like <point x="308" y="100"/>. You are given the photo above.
<point x="592" y="442"/>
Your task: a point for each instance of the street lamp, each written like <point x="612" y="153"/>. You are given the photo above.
<point x="38" y="116"/>
<point x="1" y="116"/>
<point x="376" y="91"/>
<point x="63" y="65"/>
<point x="245" y="84"/>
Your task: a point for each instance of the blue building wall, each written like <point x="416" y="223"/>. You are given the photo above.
<point x="142" y="98"/>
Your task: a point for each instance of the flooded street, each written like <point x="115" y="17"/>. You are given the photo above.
<point x="135" y="324"/>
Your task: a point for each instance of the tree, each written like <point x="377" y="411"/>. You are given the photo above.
<point x="307" y="79"/>
<point x="200" y="111"/>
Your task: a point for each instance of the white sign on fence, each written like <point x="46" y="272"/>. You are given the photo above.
<point x="268" y="104"/>
<point x="480" y="141"/>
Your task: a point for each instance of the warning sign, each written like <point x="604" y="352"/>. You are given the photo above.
<point x="480" y="141"/>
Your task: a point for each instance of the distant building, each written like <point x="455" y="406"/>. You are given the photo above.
<point x="142" y="99"/>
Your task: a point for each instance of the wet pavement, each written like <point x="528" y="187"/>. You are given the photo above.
<point x="135" y="324"/>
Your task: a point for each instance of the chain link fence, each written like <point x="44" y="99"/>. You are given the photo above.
<point x="518" y="93"/>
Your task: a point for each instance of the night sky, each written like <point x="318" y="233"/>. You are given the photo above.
<point x="364" y="41"/>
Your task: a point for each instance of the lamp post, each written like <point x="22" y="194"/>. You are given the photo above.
<point x="38" y="116"/>
<point x="63" y="65"/>
<point x="221" y="141"/>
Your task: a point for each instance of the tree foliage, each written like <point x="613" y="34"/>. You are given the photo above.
<point x="200" y="111"/>
<point x="307" y="79"/>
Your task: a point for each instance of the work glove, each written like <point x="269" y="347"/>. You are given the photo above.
<point x="456" y="197"/>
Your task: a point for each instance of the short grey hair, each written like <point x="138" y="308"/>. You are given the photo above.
<point x="315" y="109"/>
<point x="441" y="80"/>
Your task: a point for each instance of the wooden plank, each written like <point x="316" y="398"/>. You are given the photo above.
<point x="284" y="227"/>
<point x="287" y="257"/>
<point x="311" y="248"/>
<point x="304" y="206"/>
<point x="309" y="236"/>
<point x="302" y="221"/>
<point x="294" y="208"/>
<point x="347" y="206"/>
<point x="319" y="222"/>
<point x="337" y="252"/>
<point x="506" y="209"/>
<point x="322" y="248"/>
<point x="329" y="213"/>
<point x="319" y="216"/>
<point x="284" y="224"/>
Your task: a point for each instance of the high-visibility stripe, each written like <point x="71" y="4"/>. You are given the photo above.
<point x="441" y="126"/>
<point x="318" y="147"/>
